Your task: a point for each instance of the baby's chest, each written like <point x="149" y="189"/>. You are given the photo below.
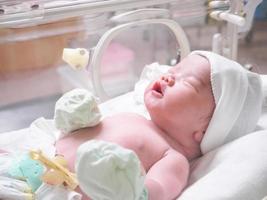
<point x="144" y="141"/>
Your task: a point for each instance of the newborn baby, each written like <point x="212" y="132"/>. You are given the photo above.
<point x="188" y="106"/>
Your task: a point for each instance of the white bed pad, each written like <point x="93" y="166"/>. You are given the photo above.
<point x="236" y="171"/>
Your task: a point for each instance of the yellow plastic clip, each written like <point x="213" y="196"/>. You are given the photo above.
<point x="67" y="177"/>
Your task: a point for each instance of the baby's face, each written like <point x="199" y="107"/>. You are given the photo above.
<point x="182" y="99"/>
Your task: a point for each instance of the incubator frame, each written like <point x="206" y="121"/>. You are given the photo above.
<point x="98" y="51"/>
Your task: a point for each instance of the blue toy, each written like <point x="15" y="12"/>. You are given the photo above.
<point x="25" y="168"/>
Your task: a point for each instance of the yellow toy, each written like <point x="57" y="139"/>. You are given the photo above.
<point x="57" y="172"/>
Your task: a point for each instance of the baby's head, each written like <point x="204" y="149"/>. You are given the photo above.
<point x="181" y="102"/>
<point x="205" y="101"/>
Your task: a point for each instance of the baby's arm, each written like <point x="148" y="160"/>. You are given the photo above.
<point x="166" y="178"/>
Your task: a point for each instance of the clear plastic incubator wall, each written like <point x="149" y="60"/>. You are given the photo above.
<point x="34" y="33"/>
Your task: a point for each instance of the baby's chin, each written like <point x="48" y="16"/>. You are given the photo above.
<point x="153" y="108"/>
<point x="150" y="101"/>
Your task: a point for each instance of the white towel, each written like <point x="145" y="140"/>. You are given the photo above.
<point x="238" y="97"/>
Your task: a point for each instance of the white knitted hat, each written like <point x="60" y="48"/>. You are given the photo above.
<point x="238" y="97"/>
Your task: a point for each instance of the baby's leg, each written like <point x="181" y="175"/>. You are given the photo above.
<point x="107" y="171"/>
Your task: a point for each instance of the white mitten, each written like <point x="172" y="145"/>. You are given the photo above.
<point x="76" y="109"/>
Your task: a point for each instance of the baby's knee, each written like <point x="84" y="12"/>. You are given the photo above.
<point x="76" y="109"/>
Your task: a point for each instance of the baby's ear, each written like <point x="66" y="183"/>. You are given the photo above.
<point x="198" y="135"/>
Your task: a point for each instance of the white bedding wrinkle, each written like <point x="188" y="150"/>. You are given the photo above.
<point x="48" y="192"/>
<point x="40" y="135"/>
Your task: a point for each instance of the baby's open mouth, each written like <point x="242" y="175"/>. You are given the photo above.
<point x="157" y="89"/>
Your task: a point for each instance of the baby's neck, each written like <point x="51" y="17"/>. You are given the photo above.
<point x="190" y="150"/>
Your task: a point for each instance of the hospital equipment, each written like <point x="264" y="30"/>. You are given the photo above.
<point x="225" y="45"/>
<point x="109" y="19"/>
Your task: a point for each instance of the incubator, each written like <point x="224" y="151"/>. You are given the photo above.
<point x="48" y="47"/>
<point x="34" y="33"/>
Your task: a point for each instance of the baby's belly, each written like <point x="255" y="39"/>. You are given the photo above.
<point x="129" y="131"/>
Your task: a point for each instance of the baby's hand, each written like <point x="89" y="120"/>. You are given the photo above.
<point x="75" y="110"/>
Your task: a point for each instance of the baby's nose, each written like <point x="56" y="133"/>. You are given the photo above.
<point x="170" y="80"/>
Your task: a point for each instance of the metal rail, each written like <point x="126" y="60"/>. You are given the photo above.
<point x="54" y="11"/>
